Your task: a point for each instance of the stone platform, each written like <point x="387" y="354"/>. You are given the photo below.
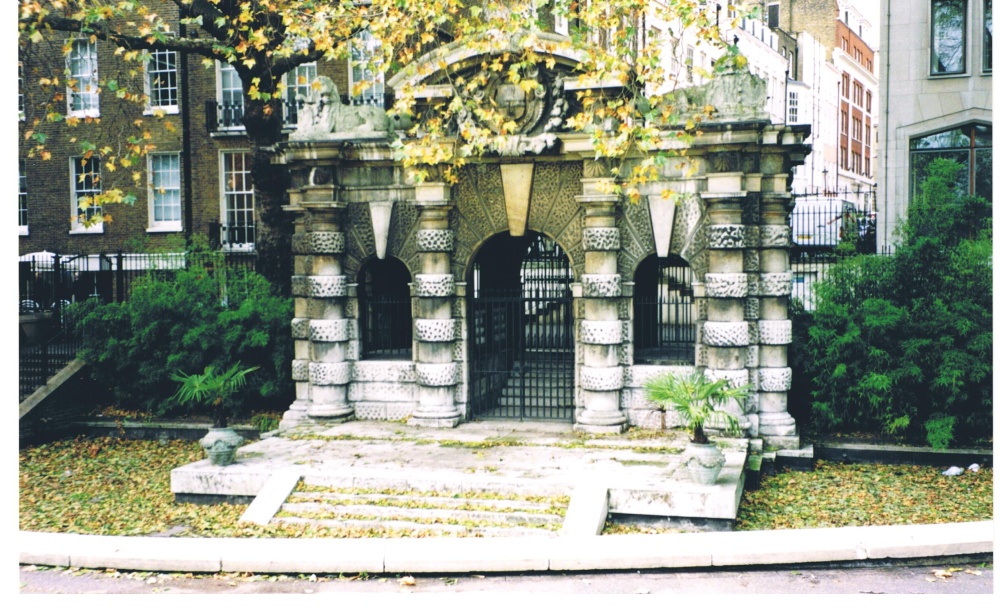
<point x="639" y="471"/>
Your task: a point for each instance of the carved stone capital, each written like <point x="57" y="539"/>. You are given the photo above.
<point x="601" y="286"/>
<point x="326" y="286"/>
<point x="601" y="239"/>
<point x="775" y="284"/>
<point x="601" y="332"/>
<point x="435" y="330"/>
<point x="329" y="374"/>
<point x="601" y="378"/>
<point x="776" y="380"/>
<point x="300" y="370"/>
<point x="329" y="331"/>
<point x="431" y="285"/>
<point x="726" y="334"/>
<point x="727" y="236"/>
<point x="726" y="285"/>
<point x="775" y="332"/>
<point x="775" y="236"/>
<point x="435" y="240"/>
<point x="444" y="374"/>
<point x="300" y="328"/>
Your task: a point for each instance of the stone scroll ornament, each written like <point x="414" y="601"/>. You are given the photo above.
<point x="536" y="114"/>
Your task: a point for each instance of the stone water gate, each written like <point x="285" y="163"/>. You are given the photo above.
<point x="446" y="354"/>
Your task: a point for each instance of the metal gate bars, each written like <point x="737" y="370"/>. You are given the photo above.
<point x="521" y="318"/>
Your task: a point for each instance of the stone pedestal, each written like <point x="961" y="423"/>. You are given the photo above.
<point x="434" y="327"/>
<point x="600" y="331"/>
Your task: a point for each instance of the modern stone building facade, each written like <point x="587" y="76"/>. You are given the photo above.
<point x="937" y="90"/>
<point x="493" y="235"/>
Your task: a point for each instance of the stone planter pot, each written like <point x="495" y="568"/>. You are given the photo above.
<point x="220" y="445"/>
<point x="704" y="462"/>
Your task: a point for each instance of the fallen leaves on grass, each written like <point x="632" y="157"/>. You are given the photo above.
<point x="839" y="494"/>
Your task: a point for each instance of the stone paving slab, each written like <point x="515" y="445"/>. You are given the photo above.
<point x="643" y="472"/>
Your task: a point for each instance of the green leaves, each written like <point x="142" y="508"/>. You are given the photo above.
<point x="697" y="400"/>
<point x="896" y="340"/>
<point x="185" y="321"/>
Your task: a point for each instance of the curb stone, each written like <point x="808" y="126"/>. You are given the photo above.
<point x="506" y="554"/>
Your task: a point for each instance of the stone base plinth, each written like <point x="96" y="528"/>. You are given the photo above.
<point x="435" y="423"/>
<point x="786" y="442"/>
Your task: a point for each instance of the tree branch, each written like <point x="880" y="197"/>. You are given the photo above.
<point x="203" y="46"/>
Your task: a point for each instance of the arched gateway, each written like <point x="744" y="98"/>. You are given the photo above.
<point x="528" y="300"/>
<point x="520" y="318"/>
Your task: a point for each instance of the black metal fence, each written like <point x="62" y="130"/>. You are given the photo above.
<point x="49" y="283"/>
<point x="825" y="227"/>
<point x="663" y="312"/>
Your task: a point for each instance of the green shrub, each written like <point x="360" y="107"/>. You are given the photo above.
<point x="201" y="317"/>
<point x="902" y="345"/>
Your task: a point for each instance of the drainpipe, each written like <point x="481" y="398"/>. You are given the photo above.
<point x="188" y="200"/>
<point x="881" y="219"/>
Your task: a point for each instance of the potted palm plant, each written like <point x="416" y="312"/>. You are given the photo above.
<point x="697" y="400"/>
<point x="211" y="390"/>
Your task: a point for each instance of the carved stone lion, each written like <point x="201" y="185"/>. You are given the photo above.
<point x="324" y="117"/>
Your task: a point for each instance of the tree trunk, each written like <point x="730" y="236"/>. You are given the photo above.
<point x="273" y="233"/>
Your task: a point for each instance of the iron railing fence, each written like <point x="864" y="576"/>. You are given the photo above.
<point x="386" y="326"/>
<point x="826" y="226"/>
<point x="49" y="283"/>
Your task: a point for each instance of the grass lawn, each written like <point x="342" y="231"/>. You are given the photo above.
<point x="109" y="486"/>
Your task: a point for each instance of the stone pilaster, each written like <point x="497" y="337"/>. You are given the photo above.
<point x="777" y="427"/>
<point x="434" y="326"/>
<point x="726" y="333"/>
<point x="601" y="377"/>
<point x="320" y="327"/>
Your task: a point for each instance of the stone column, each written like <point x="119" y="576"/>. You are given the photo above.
<point x="777" y="427"/>
<point x="321" y="330"/>
<point x="600" y="331"/>
<point x="725" y="334"/>
<point x="434" y="327"/>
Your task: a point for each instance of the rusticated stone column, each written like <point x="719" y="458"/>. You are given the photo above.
<point x="600" y="331"/>
<point x="725" y="334"/>
<point x="434" y="327"/>
<point x="777" y="427"/>
<point x="319" y="328"/>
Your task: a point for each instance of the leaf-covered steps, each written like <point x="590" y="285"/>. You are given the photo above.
<point x="398" y="512"/>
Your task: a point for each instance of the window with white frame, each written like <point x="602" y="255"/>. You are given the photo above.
<point x="161" y="81"/>
<point x="85" y="177"/>
<point x="298" y="82"/>
<point x="369" y="78"/>
<point x="81" y="92"/>
<point x="230" y="101"/>
<point x="237" y="201"/>
<point x="793" y="107"/>
<point x="164" y="192"/>
<point x="560" y="23"/>
<point x="947" y="37"/>
<point x="22" y="198"/>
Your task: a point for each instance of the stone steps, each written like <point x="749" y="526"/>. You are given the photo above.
<point x="457" y="511"/>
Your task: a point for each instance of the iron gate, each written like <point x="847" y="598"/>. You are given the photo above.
<point x="521" y="317"/>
